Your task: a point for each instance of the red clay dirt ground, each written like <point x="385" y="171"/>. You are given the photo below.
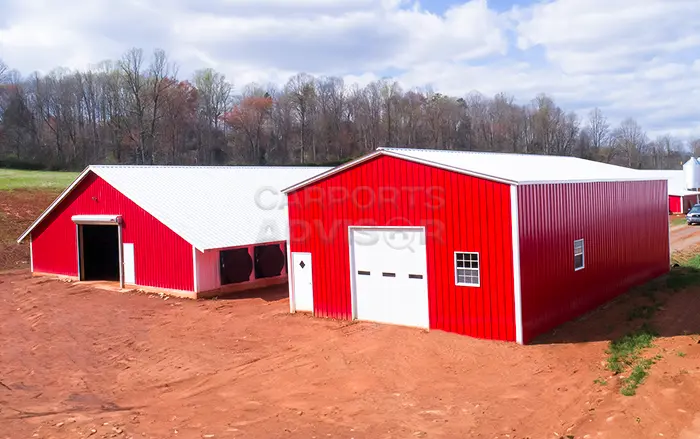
<point x="84" y="362"/>
<point x="77" y="362"/>
<point x="18" y="208"/>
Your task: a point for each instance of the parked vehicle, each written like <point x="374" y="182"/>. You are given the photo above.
<point x="693" y="215"/>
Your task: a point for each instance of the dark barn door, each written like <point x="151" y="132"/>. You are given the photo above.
<point x="100" y="252"/>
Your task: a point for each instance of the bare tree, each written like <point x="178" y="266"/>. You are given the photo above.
<point x="137" y="110"/>
<point x="131" y="65"/>
<point x="598" y="129"/>
<point x="695" y="147"/>
<point x="302" y="92"/>
<point x="214" y="100"/>
<point x="3" y="72"/>
<point x="631" y="140"/>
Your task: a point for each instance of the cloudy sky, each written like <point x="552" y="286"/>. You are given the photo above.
<point x="638" y="58"/>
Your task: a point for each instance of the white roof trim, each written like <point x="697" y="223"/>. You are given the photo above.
<point x="381" y="151"/>
<point x="227" y="206"/>
<point x="55" y="203"/>
<point x="332" y="171"/>
<point x="448" y="167"/>
<point x="97" y="219"/>
<point x="397" y="153"/>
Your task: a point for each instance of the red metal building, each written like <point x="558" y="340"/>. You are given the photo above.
<point x="190" y="231"/>
<point x="680" y="198"/>
<point x="495" y="246"/>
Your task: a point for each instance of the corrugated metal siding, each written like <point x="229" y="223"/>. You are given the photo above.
<point x="208" y="270"/>
<point x="674" y="204"/>
<point x="162" y="259"/>
<point x="474" y="217"/>
<point x="626" y="244"/>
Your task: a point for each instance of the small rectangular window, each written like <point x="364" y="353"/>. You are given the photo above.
<point x="579" y="259"/>
<point x="467" y="269"/>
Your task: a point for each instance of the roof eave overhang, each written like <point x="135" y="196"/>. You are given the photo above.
<point x="597" y="180"/>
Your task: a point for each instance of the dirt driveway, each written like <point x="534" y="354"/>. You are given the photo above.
<point x="683" y="236"/>
<point x="80" y="362"/>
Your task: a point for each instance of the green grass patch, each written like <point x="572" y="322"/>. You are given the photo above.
<point x="639" y="372"/>
<point x="601" y="381"/>
<point x="625" y="351"/>
<point x="678" y="221"/>
<point x="625" y="354"/>
<point x="11" y="179"/>
<point x="680" y="354"/>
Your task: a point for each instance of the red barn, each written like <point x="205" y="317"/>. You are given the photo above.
<point x="680" y="199"/>
<point x="192" y="231"/>
<point x="495" y="246"/>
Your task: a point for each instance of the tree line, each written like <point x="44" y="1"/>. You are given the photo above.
<point x="136" y="110"/>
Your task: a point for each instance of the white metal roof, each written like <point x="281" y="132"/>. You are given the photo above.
<point x="504" y="167"/>
<point x="676" y="181"/>
<point x="209" y="207"/>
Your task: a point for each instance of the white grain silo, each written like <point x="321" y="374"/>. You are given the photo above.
<point x="691" y="169"/>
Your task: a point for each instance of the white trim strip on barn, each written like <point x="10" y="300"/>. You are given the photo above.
<point x="209" y="207"/>
<point x="516" y="169"/>
<point x="517" y="292"/>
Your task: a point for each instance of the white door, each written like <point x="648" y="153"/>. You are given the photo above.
<point x="129" y="272"/>
<point x="390" y="279"/>
<point x="302" y="282"/>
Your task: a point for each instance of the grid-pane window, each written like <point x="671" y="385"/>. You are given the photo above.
<point x="579" y="260"/>
<point x="467" y="269"/>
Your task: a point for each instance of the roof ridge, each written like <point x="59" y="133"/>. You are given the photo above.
<point x="461" y="151"/>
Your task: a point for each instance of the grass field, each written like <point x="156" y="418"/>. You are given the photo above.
<point x="11" y="179"/>
<point x="23" y="196"/>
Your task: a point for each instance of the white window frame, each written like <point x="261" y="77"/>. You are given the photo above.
<point x="478" y="270"/>
<point x="583" y="254"/>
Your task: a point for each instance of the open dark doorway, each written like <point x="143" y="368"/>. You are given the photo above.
<point x="100" y="252"/>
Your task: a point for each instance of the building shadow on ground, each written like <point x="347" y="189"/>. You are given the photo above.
<point x="272" y="293"/>
<point x="668" y="306"/>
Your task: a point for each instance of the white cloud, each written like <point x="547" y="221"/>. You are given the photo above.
<point x="631" y="58"/>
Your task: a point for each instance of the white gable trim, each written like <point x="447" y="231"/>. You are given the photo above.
<point x="70" y="189"/>
<point x="332" y="171"/>
<point x="55" y="203"/>
<point x="394" y="154"/>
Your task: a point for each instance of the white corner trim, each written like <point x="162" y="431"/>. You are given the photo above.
<point x="290" y="279"/>
<point x="353" y="287"/>
<point x="31" y="255"/>
<point x="121" y="255"/>
<point x="517" y="293"/>
<point x="194" y="269"/>
<point x="668" y="208"/>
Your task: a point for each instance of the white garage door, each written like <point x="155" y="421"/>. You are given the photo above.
<point x="390" y="275"/>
